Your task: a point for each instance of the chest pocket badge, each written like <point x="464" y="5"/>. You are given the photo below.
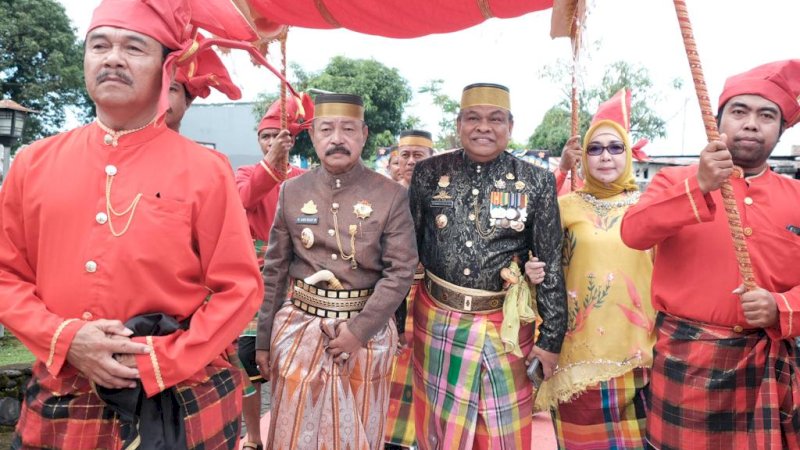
<point x="307" y="237"/>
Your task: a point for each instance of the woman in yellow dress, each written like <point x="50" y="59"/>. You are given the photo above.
<point x="596" y="395"/>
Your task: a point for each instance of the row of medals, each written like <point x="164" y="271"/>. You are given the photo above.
<point x="507" y="209"/>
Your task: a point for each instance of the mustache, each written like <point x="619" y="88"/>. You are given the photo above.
<point x="337" y="149"/>
<point x="106" y="74"/>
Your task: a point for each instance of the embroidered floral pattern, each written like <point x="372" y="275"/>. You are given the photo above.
<point x="636" y="315"/>
<point x="568" y="248"/>
<point x="595" y="298"/>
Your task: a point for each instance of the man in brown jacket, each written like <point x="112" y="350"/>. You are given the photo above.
<point x="329" y="353"/>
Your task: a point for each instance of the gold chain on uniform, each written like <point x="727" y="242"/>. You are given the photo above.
<point x="353" y="230"/>
<point x="110" y="211"/>
<point x="112" y="137"/>
<point x="478" y="227"/>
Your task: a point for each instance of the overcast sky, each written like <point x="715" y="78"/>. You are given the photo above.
<point x="732" y="36"/>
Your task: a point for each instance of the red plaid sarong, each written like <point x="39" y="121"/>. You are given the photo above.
<point x="713" y="388"/>
<point x="65" y="413"/>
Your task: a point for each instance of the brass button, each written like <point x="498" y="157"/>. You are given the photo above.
<point x="441" y="221"/>
<point x="748" y="231"/>
<point x="90" y="266"/>
<point x="748" y="201"/>
<point x="468" y="244"/>
<point x="86" y="316"/>
<point x="738" y="328"/>
<point x="101" y="218"/>
<point x="467" y="271"/>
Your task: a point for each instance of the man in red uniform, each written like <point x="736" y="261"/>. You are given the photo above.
<point x="258" y="183"/>
<point x="259" y="186"/>
<point x="141" y="223"/>
<point x="725" y="372"/>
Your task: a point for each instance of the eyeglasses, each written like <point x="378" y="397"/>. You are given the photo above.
<point x="614" y="148"/>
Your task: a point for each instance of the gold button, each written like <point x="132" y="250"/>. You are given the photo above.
<point x="468" y="243"/>
<point x="748" y="231"/>
<point x="738" y="328"/>
<point x="475" y="191"/>
<point x="101" y="218"/>
<point x="90" y="266"/>
<point x="467" y="271"/>
<point x="87" y="316"/>
<point x="748" y="201"/>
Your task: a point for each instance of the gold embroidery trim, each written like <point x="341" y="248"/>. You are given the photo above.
<point x="786" y="302"/>
<point x="486" y="95"/>
<point x="339" y="110"/>
<point x="53" y="341"/>
<point x="154" y="361"/>
<point x="270" y="172"/>
<point x="189" y="52"/>
<point x="691" y="201"/>
<point x="415" y="140"/>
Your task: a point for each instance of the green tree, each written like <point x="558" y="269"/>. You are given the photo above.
<point x="41" y="64"/>
<point x="384" y="90"/>
<point x="554" y="129"/>
<point x="447" y="137"/>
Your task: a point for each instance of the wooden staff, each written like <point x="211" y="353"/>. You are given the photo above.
<point x="284" y="121"/>
<point x="576" y="118"/>
<point x="710" y="122"/>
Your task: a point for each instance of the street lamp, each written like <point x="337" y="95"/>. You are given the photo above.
<point x="12" y="120"/>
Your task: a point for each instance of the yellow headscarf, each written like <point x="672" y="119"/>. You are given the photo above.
<point x="626" y="180"/>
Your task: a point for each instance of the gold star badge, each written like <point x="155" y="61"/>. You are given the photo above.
<point x="309" y="208"/>
<point x="362" y="209"/>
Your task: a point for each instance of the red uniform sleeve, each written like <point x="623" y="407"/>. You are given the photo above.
<point x="561" y="178"/>
<point x="672" y="201"/>
<point x="788" y="304"/>
<point x="231" y="274"/>
<point x="254" y="182"/>
<point x="47" y="335"/>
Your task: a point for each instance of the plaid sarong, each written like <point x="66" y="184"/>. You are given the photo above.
<point x="713" y="388"/>
<point x="321" y="404"/>
<point x="65" y="412"/>
<point x="610" y="415"/>
<point x="468" y="392"/>
<point x="400" y="428"/>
